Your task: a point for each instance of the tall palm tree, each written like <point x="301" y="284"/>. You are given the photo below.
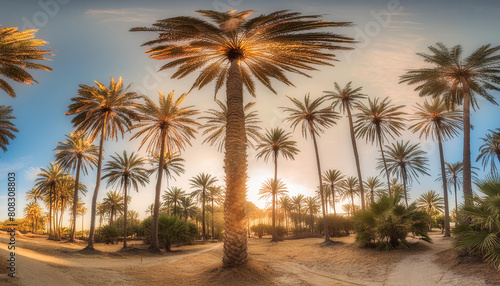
<point x="287" y="206"/>
<point x="216" y="121"/>
<point x="126" y="171"/>
<point x="345" y="99"/>
<point x="231" y="49"/>
<point x="19" y="51"/>
<point x="214" y="195"/>
<point x="378" y="120"/>
<point x="454" y="176"/>
<point x="202" y="182"/>
<point x="298" y="202"/>
<point x="188" y="207"/>
<point x="105" y="112"/>
<point x="313" y="119"/>
<point x="333" y="177"/>
<point x="167" y="126"/>
<point x="113" y="204"/>
<point x="460" y="81"/>
<point x="76" y="154"/>
<point x="173" y="196"/>
<point x="34" y="195"/>
<point x="350" y="188"/>
<point x="7" y="128"/>
<point x="313" y="207"/>
<point x="32" y="213"/>
<point x="430" y="202"/>
<point x="173" y="164"/>
<point x="436" y="120"/>
<point x="274" y="143"/>
<point x="373" y="184"/>
<point x="405" y="161"/>
<point x="490" y="150"/>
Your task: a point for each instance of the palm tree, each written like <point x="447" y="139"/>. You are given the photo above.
<point x="113" y="204"/>
<point x="214" y="194"/>
<point x="274" y="190"/>
<point x="230" y="49"/>
<point x="133" y="216"/>
<point x="34" y="194"/>
<point x="378" y="120"/>
<point x="19" y="50"/>
<point x="436" y="120"/>
<point x="490" y="150"/>
<point x="374" y="185"/>
<point x="188" y="207"/>
<point x="202" y="182"/>
<point x="75" y="155"/>
<point x="406" y="161"/>
<point x="274" y="143"/>
<point x="126" y="171"/>
<point x="173" y="196"/>
<point x="313" y="119"/>
<point x="454" y="176"/>
<point x="350" y="188"/>
<point x="333" y="177"/>
<point x="460" y="81"/>
<point x="345" y="99"/>
<point x="287" y="206"/>
<point x="312" y="206"/>
<point x="173" y="163"/>
<point x="104" y="111"/>
<point x="7" y="128"/>
<point x="150" y="209"/>
<point x="297" y="202"/>
<point x="166" y="126"/>
<point x="430" y="202"/>
<point x="32" y="213"/>
<point x="216" y="121"/>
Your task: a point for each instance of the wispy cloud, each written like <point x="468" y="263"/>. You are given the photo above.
<point x="30" y="173"/>
<point x="122" y="15"/>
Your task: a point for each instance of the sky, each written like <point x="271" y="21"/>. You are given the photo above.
<point x="92" y="42"/>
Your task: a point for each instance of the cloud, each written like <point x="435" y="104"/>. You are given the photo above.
<point x="122" y="15"/>
<point x="7" y="167"/>
<point x="30" y="173"/>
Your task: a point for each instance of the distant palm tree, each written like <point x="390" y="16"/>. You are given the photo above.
<point x="105" y="112"/>
<point x="231" y="49"/>
<point x="430" y="202"/>
<point x="126" y="171"/>
<point x="436" y="120"/>
<point x="313" y="207"/>
<point x="150" y="209"/>
<point x="113" y="204"/>
<point x="374" y="185"/>
<point x="215" y="194"/>
<point x="173" y="164"/>
<point x="454" y="176"/>
<point x="7" y="128"/>
<point x="272" y="189"/>
<point x="166" y="126"/>
<point x="34" y="194"/>
<point x="348" y="209"/>
<point x="313" y="119"/>
<point x="406" y="161"/>
<point x="274" y="143"/>
<point x="32" y="213"/>
<point x="298" y="202"/>
<point x="350" y="188"/>
<point x="188" y="207"/>
<point x="19" y="50"/>
<point x="333" y="178"/>
<point x="202" y="182"/>
<point x="490" y="150"/>
<point x="378" y="120"/>
<point x="76" y="154"/>
<point x="133" y="217"/>
<point x="287" y="206"/>
<point x="345" y="100"/>
<point x="173" y="196"/>
<point x="460" y="81"/>
<point x="216" y="121"/>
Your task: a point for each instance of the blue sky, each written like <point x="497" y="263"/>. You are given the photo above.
<point x="92" y="42"/>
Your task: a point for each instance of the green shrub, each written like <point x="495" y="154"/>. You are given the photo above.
<point x="387" y="223"/>
<point x="261" y="229"/>
<point x="171" y="229"/>
<point x="109" y="234"/>
<point x="337" y="225"/>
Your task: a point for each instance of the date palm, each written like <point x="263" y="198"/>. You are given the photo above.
<point x="286" y="206"/>
<point x="345" y="100"/>
<point x="232" y="49"/>
<point x="430" y="202"/>
<point x="167" y="126"/>
<point x="490" y="150"/>
<point x="374" y="185"/>
<point x="215" y="194"/>
<point x="202" y="182"/>
<point x="405" y="161"/>
<point x="333" y="178"/>
<point x="216" y="121"/>
<point x="173" y="196"/>
<point x="126" y="171"/>
<point x="173" y="164"/>
<point x="460" y="81"/>
<point x="350" y="188"/>
<point x="298" y="202"/>
<point x="19" y="51"/>
<point x="7" y="128"/>
<point x="436" y="120"/>
<point x="32" y="213"/>
<point x="34" y="195"/>
<point x="106" y="112"/>
<point x="188" y="207"/>
<point x="274" y="143"/>
<point x="76" y="154"/>
<point x="313" y="207"/>
<point x="313" y="119"/>
<point x="113" y="204"/>
<point x="377" y="121"/>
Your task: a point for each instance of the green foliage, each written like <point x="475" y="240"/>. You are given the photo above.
<point x="337" y="225"/>
<point x="388" y="222"/>
<point x="171" y="229"/>
<point x="261" y="229"/>
<point x="109" y="234"/>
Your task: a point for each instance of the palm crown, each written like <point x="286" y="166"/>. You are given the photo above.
<point x="435" y="117"/>
<point x="126" y="170"/>
<point x="277" y="142"/>
<point x="490" y="150"/>
<point x="7" y="128"/>
<point x="77" y="146"/>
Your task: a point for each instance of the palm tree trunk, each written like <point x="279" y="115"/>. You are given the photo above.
<point x="75" y="198"/>
<point x="312" y="221"/>
<point x="82" y="225"/>
<point x="203" y="220"/>
<point x="356" y="158"/>
<point x="50" y="212"/>
<point x="125" y="214"/>
<point x="467" y="182"/>
<point x="372" y="195"/>
<point x="404" y="187"/>
<point x="325" y="223"/>
<point x="235" y="167"/>
<point x="155" y="244"/>
<point x="456" y="201"/>
<point x="274" y="190"/>
<point x="445" y="189"/>
<point x="327" y="201"/>
<point x="213" y="235"/>
<point x="352" y="201"/>
<point x="379" y="137"/>
<point x="333" y="199"/>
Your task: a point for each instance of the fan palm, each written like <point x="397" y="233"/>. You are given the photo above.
<point x="374" y="185"/>
<point x="274" y="143"/>
<point x="490" y="150"/>
<point x="313" y="119"/>
<point x="434" y="119"/>
<point x="166" y="126"/>
<point x="430" y="202"/>
<point x="231" y="50"/>
<point x="126" y="171"/>
<point x="345" y="100"/>
<point x="19" y="50"/>
<point x="405" y="161"/>
<point x="113" y="204"/>
<point x="313" y="207"/>
<point x="202" y="182"/>
<point x="350" y="188"/>
<point x="7" y="128"/>
<point x="173" y="196"/>
<point x="104" y="111"/>
<point x="460" y="81"/>
<point x="173" y="164"/>
<point x="333" y="178"/>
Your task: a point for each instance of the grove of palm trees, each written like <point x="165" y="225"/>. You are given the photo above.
<point x="235" y="143"/>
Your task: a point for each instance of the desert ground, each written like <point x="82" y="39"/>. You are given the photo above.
<point x="290" y="262"/>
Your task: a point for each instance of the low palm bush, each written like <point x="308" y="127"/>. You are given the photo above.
<point x="171" y="230"/>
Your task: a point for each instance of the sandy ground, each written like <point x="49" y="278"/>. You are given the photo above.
<point x="290" y="262"/>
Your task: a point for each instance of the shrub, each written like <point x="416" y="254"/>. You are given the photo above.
<point x="388" y="222"/>
<point x="261" y="229"/>
<point x="337" y="225"/>
<point x="109" y="234"/>
<point x="171" y="229"/>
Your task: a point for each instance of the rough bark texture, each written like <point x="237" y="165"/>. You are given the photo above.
<point x="235" y="167"/>
<point x="456" y="200"/>
<point x="467" y="183"/>
<point x="325" y="223"/>
<point x="356" y="158"/>
<point x="155" y="244"/>
<point x="445" y="189"/>
<point x="50" y="213"/>
<point x="75" y="198"/>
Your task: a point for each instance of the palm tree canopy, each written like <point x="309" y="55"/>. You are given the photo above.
<point x="19" y="50"/>
<point x="215" y="125"/>
<point x="298" y="201"/>
<point x="173" y="195"/>
<point x="405" y="160"/>
<point x="332" y="176"/>
<point x="277" y="142"/>
<point x="430" y="202"/>
<point x="272" y="187"/>
<point x="373" y="183"/>
<point x="490" y="150"/>
<point x="349" y="186"/>
<point x="312" y="204"/>
<point x="7" y="128"/>
<point x="345" y="98"/>
<point x="113" y="201"/>
<point x="172" y="164"/>
<point x="202" y="182"/>
<point x="127" y="170"/>
<point x="267" y="45"/>
<point x="77" y="146"/>
<point x="49" y="178"/>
